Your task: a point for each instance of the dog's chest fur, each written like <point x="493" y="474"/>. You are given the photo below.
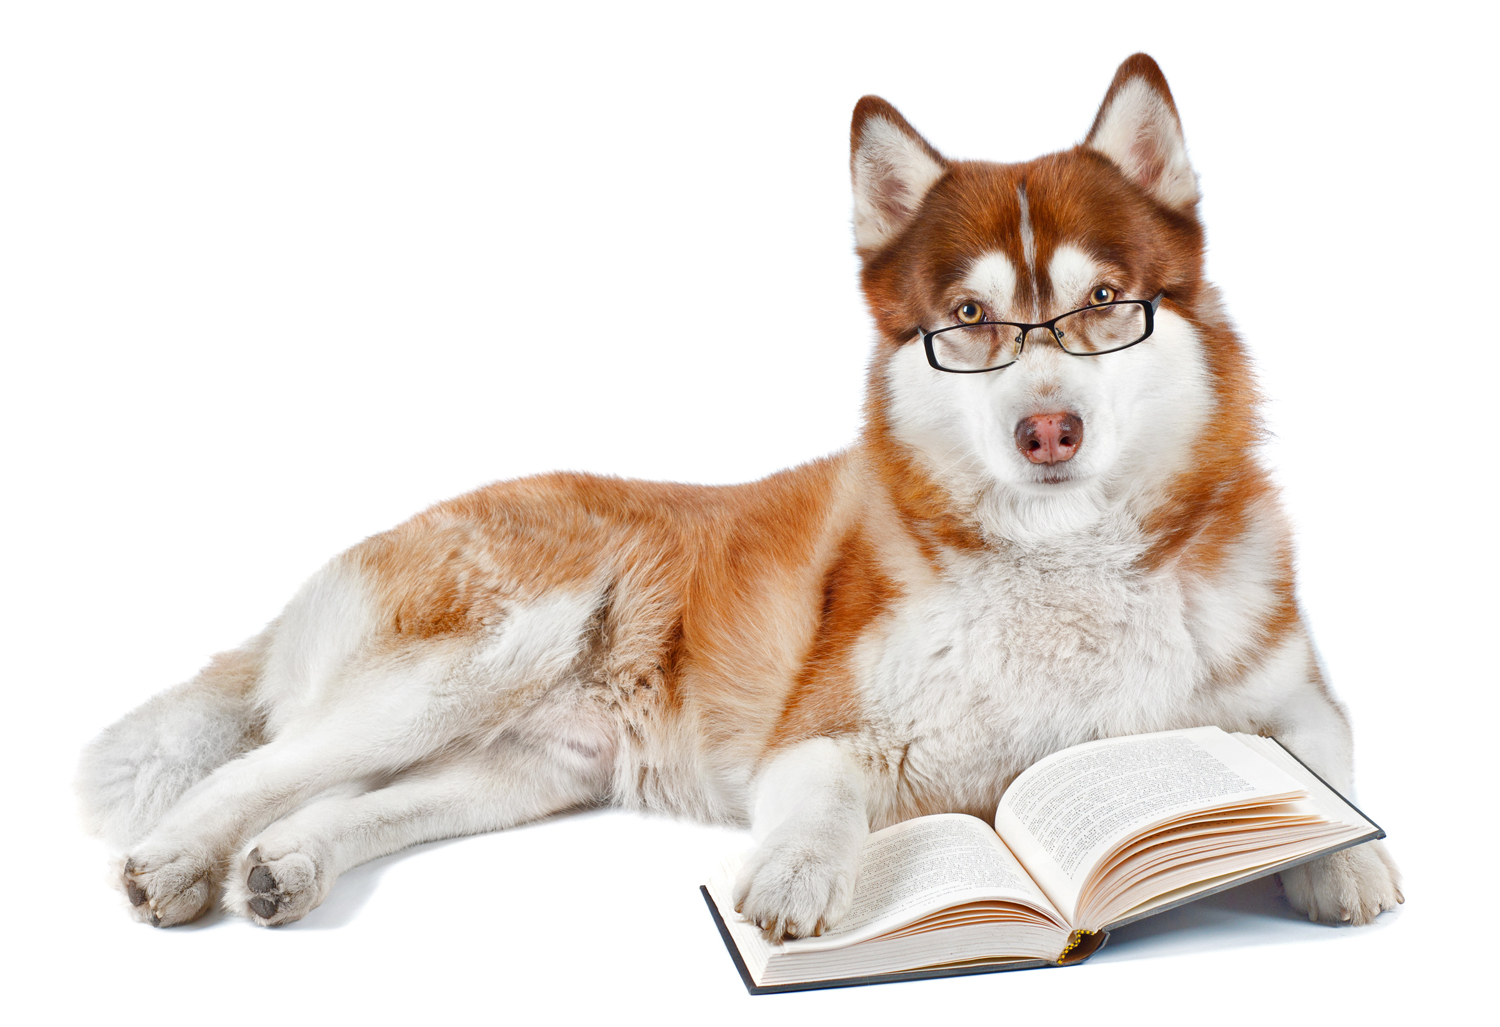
<point x="1017" y="653"/>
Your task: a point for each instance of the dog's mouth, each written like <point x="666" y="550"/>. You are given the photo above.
<point x="1053" y="476"/>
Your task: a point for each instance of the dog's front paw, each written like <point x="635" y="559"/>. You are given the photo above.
<point x="165" y="890"/>
<point x="1353" y="886"/>
<point x="795" y="886"/>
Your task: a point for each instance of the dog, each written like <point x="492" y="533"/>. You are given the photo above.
<point x="1053" y="528"/>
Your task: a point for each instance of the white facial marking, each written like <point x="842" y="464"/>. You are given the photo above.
<point x="1073" y="274"/>
<point x="1028" y="240"/>
<point x="992" y="280"/>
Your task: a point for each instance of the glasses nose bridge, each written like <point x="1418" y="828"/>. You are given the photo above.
<point x="1025" y="332"/>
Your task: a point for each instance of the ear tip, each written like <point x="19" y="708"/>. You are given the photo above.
<point x="869" y="106"/>
<point x="875" y="108"/>
<point x="1142" y="66"/>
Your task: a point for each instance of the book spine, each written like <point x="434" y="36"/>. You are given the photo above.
<point x="1081" y="945"/>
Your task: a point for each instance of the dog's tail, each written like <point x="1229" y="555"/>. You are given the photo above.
<point x="142" y="764"/>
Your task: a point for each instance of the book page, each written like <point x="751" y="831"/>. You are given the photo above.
<point x="1018" y="937"/>
<point x="922" y="866"/>
<point x="1329" y="802"/>
<point x="1066" y="812"/>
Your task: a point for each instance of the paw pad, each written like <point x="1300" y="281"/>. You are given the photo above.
<point x="278" y="889"/>
<point x="262" y="883"/>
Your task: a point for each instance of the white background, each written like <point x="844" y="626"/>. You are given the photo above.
<point x="274" y="277"/>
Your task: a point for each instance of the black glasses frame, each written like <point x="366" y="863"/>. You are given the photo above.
<point x="1148" y="305"/>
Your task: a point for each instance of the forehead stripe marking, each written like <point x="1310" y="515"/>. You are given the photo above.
<point x="1028" y="241"/>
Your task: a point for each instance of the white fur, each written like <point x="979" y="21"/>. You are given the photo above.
<point x="142" y="765"/>
<point x="1241" y="592"/>
<point x="992" y="280"/>
<point x="1018" y="653"/>
<point x="810" y="820"/>
<point x="1338" y="888"/>
<point x="892" y="172"/>
<point x="1028" y="237"/>
<point x="536" y="641"/>
<point x="323" y="631"/>
<point x="1140" y="133"/>
<point x="1074" y="274"/>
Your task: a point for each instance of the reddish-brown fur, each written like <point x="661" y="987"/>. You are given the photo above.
<point x="824" y="699"/>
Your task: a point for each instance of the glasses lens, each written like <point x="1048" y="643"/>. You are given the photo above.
<point x="976" y="347"/>
<point x="1101" y="329"/>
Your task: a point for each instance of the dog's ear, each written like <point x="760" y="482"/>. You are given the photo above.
<point x="1137" y="128"/>
<point x="892" y="167"/>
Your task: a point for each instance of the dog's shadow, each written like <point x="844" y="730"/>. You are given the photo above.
<point x="354" y="888"/>
<point x="1252" y="914"/>
<point x="1256" y="913"/>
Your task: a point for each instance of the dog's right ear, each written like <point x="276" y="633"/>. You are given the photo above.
<point x="892" y="166"/>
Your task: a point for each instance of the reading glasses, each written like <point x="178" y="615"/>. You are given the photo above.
<point x="1087" y="332"/>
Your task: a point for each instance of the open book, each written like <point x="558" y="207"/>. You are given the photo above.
<point x="1087" y="840"/>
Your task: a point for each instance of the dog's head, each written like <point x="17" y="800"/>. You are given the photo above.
<point x="1057" y="437"/>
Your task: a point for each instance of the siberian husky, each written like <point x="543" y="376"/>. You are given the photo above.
<point x="1051" y="529"/>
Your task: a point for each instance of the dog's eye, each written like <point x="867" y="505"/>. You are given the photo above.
<point x="1102" y="294"/>
<point x="969" y="313"/>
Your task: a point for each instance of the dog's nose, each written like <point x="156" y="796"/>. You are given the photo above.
<point x="1049" y="438"/>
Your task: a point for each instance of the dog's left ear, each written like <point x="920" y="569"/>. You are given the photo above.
<point x="1137" y="128"/>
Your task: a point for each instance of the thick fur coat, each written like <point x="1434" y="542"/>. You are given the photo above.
<point x="1004" y="564"/>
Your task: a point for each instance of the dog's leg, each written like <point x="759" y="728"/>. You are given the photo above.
<point x="288" y="869"/>
<point x="172" y="875"/>
<point x="1356" y="885"/>
<point x="811" y="819"/>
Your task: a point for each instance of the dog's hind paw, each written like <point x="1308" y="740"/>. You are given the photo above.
<point x="168" y="890"/>
<point x="273" y="887"/>
<point x="1349" y="887"/>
